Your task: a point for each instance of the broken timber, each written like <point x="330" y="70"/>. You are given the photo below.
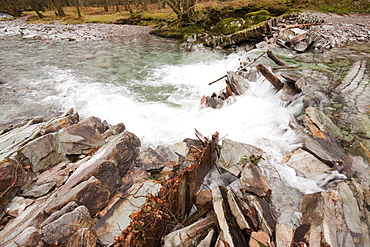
<point x="162" y="213"/>
<point x="270" y="77"/>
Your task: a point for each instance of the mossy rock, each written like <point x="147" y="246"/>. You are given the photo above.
<point x="254" y="18"/>
<point x="175" y="32"/>
<point x="230" y="25"/>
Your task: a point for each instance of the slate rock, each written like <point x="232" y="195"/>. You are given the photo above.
<point x="44" y="153"/>
<point x="352" y="214"/>
<point x="31" y="236"/>
<point x="258" y="238"/>
<point x="64" y="227"/>
<point x="149" y="160"/>
<point x="232" y="152"/>
<point x="117" y="218"/>
<point x="122" y="149"/>
<point x="82" y="137"/>
<point x="58" y="123"/>
<point x="17" y="205"/>
<point x="284" y="235"/>
<point x="37" y="190"/>
<point x="33" y="215"/>
<point x="306" y="163"/>
<point x="231" y="234"/>
<point x="58" y="174"/>
<point x="90" y="193"/>
<point x="324" y="123"/>
<point x="114" y="130"/>
<point x="167" y="153"/>
<point x="54" y="216"/>
<point x="190" y="235"/>
<point x="84" y="237"/>
<point x="321" y="221"/>
<point x="253" y="181"/>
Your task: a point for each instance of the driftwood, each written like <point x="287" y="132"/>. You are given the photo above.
<point x="303" y="25"/>
<point x="270" y="76"/>
<point x="296" y="39"/>
<point x="275" y="58"/>
<point x="281" y="44"/>
<point x="217" y="80"/>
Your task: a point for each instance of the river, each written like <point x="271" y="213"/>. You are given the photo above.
<point x="150" y="84"/>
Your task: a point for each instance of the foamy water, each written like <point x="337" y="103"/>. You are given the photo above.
<point x="154" y="88"/>
<point x="257" y="114"/>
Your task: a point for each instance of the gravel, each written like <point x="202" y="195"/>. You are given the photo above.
<point x="78" y="32"/>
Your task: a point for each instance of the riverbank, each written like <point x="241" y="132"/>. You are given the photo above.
<point x="343" y="29"/>
<point x="79" y="32"/>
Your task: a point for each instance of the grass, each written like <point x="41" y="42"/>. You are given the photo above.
<point x="154" y="15"/>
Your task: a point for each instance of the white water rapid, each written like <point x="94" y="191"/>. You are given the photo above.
<point x="159" y="101"/>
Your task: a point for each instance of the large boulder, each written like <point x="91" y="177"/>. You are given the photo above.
<point x="90" y="193"/>
<point x="44" y="153"/>
<point x="58" y="123"/>
<point x="81" y="138"/>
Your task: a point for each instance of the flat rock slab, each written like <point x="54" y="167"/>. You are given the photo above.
<point x="90" y="193"/>
<point x="118" y="217"/>
<point x="232" y="152"/>
<point x="64" y="227"/>
<point x="307" y="164"/>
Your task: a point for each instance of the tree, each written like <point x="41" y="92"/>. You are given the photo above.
<point x="77" y="3"/>
<point x="184" y="9"/>
<point x="36" y="5"/>
<point x="59" y="7"/>
<point x="106" y="5"/>
<point x="12" y="7"/>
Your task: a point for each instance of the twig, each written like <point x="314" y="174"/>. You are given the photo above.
<point x="242" y="67"/>
<point x="253" y="61"/>
<point x="217" y="80"/>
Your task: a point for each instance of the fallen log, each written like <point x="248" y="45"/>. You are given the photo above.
<point x="275" y="58"/>
<point x="270" y="77"/>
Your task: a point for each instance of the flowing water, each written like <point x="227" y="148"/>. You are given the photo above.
<point x="154" y="87"/>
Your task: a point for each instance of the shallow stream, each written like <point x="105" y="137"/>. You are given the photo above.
<point x="154" y="87"/>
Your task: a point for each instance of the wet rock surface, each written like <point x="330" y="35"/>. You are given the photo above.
<point x="85" y="183"/>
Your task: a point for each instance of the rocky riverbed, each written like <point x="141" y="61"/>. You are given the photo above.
<point x="58" y="31"/>
<point x="82" y="182"/>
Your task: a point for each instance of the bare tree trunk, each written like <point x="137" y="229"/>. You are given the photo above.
<point x="39" y="14"/>
<point x="13" y="7"/>
<point x="77" y="2"/>
<point x="117" y="2"/>
<point x="106" y="5"/>
<point x="58" y="6"/>
<point x="184" y="9"/>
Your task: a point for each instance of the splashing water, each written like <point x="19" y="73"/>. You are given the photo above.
<point x="152" y="86"/>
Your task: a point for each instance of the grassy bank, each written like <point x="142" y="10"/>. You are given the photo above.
<point x="156" y="16"/>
